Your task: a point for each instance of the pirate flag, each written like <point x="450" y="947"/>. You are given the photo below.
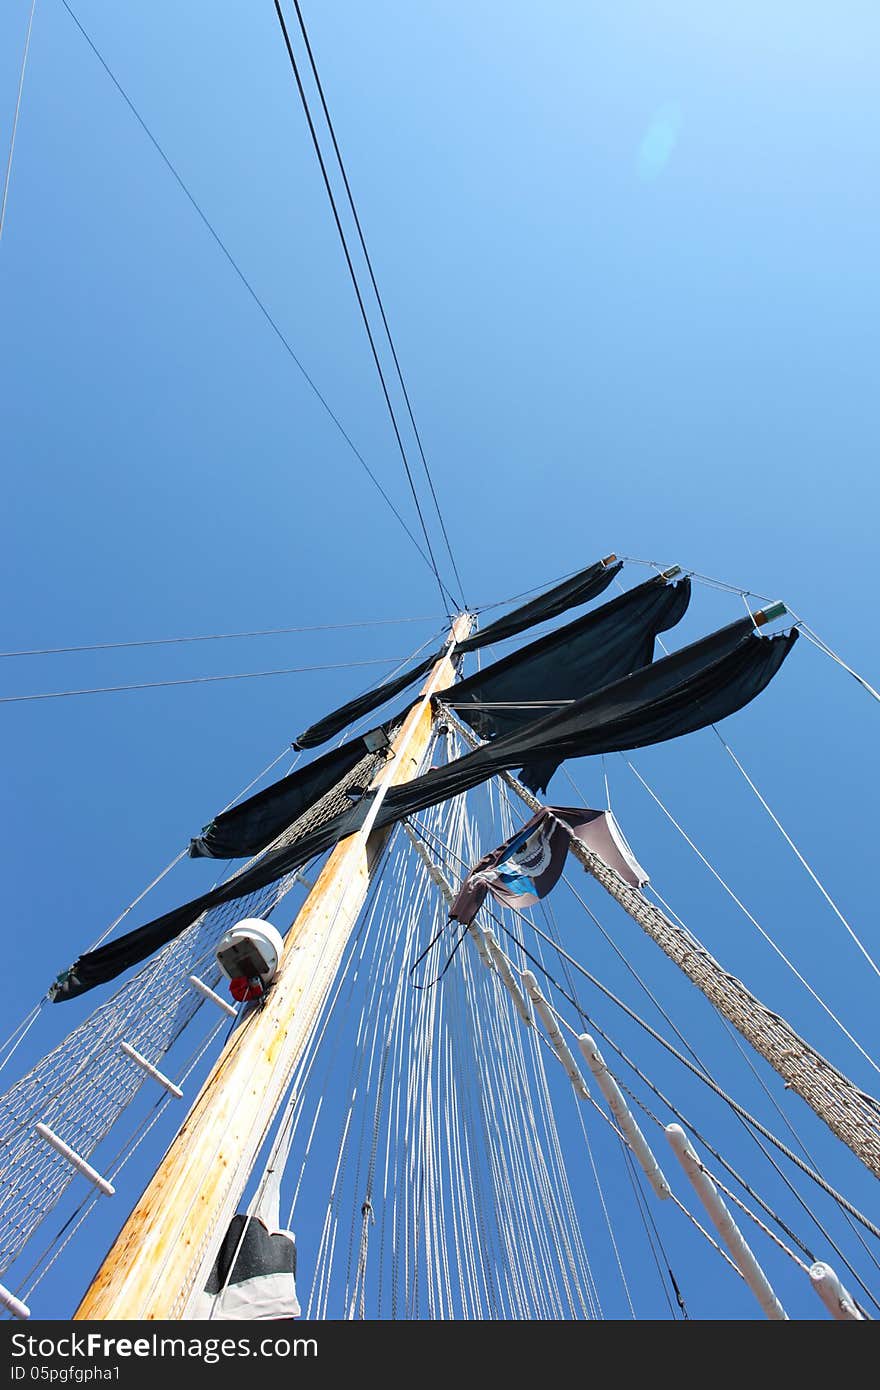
<point x="529" y="863"/>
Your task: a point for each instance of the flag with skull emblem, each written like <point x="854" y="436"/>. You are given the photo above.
<point x="529" y="863"/>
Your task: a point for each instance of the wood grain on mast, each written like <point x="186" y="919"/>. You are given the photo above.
<point x="164" y="1251"/>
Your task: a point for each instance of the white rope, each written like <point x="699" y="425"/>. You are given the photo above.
<point x="702" y="578"/>
<point x="549" y="584"/>
<point x="754" y="921"/>
<point x="328" y="1237"/>
<point x="198" y="680"/>
<point x="20" y="1032"/>
<point x="237" y="1179"/>
<point x="606" y="1214"/>
<point x="553" y="1183"/>
<point x="327" y="1248"/>
<point x="24" y="58"/>
<point x="213" y="637"/>
<point x="790" y="842"/>
<point x="765" y="598"/>
<point x="122" y="1157"/>
<point x="757" y="1220"/>
<point x="310" y="1059"/>
<point x="816" y="640"/>
<point x="140" y="897"/>
<point x="703" y="1232"/>
<point x="564" y="1022"/>
<point x="527" y="1279"/>
<point x="572" y="1239"/>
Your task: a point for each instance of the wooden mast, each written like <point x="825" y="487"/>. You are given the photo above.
<point x="161" y="1257"/>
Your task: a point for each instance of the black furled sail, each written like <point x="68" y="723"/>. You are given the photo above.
<point x="579" y="588"/>
<point x="346" y="714"/>
<point x="571" y="593"/>
<point x="253" y="824"/>
<point x="603" y="646"/>
<point x="683" y="692"/>
<point x="565" y="665"/>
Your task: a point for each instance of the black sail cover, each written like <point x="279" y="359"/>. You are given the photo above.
<point x="567" y="664"/>
<point x="331" y="724"/>
<point x="580" y="588"/>
<point x="600" y="647"/>
<point x="683" y="692"/>
<point x="255" y="823"/>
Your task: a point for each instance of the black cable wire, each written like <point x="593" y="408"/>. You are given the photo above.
<point x="250" y="289"/>
<point x="305" y="105"/>
<point x="369" y="263"/>
<point x="633" y="1173"/>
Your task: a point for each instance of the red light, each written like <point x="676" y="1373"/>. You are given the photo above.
<point x="244" y="990"/>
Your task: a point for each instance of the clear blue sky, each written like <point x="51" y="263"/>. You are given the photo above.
<point x="629" y="254"/>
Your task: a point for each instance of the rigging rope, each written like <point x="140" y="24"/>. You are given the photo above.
<point x="799" y="1140"/>
<point x="378" y="296"/>
<point x="790" y="842"/>
<point x="198" y="680"/>
<point x="755" y="923"/>
<point x="816" y="640"/>
<point x="249" y="287"/>
<point x="727" y="1166"/>
<point x="732" y="1034"/>
<point x="56" y="1245"/>
<point x="20" y="1032"/>
<point x="358" y="295"/>
<point x="697" y="1071"/>
<point x="764" y="598"/>
<point x="571" y="997"/>
<point x="470" y="1218"/>
<point x="652" y="1233"/>
<point x="218" y="636"/>
<point x="8" y="176"/>
<point x="740" y="1110"/>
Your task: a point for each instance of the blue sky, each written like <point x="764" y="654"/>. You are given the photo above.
<point x="629" y="257"/>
